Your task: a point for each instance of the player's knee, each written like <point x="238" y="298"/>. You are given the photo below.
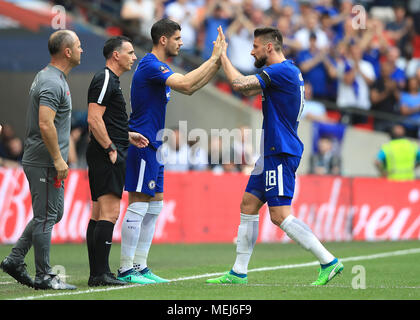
<point x="278" y="214"/>
<point x="245" y="206"/>
<point x="277" y="220"/>
<point x="248" y="207"/>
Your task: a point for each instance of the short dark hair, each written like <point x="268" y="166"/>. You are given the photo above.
<point x="114" y="44"/>
<point x="270" y="35"/>
<point x="58" y="40"/>
<point x="163" y="27"/>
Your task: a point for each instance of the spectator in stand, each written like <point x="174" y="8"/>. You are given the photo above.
<point x="14" y="153"/>
<point x="222" y="156"/>
<point x="385" y="97"/>
<point x="313" y="110"/>
<point x="398" y="74"/>
<point x="11" y="148"/>
<point x="240" y="35"/>
<point x="399" y="29"/>
<point x="349" y="34"/>
<point x="326" y="161"/>
<point x="305" y="9"/>
<point x="258" y="19"/>
<point x="177" y="152"/>
<point x="317" y="67"/>
<point x="374" y="44"/>
<point x="184" y="13"/>
<point x="215" y="154"/>
<point x="355" y="75"/>
<point x="332" y="19"/>
<point x="79" y="140"/>
<point x="244" y="150"/>
<point x="15" y="149"/>
<point x="7" y="134"/>
<point x="218" y="13"/>
<point x="398" y="158"/>
<point x="311" y="21"/>
<point x="142" y="14"/>
<point x="290" y="45"/>
<point x="198" y="155"/>
<point x="410" y="107"/>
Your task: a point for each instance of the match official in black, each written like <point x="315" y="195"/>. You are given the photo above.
<point x="106" y="154"/>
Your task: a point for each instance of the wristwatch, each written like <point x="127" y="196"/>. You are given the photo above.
<point x="111" y="147"/>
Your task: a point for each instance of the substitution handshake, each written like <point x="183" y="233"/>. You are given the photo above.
<point x="219" y="46"/>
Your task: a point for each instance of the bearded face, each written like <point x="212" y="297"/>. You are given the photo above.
<point x="259" y="53"/>
<point x="260" y="62"/>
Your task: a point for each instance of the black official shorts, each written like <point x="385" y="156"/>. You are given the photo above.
<point x="105" y="177"/>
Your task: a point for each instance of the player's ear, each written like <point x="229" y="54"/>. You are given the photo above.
<point x="163" y="40"/>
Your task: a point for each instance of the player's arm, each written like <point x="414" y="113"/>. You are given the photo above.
<point x="247" y="85"/>
<point x="50" y="138"/>
<point x="98" y="128"/>
<point x="196" y="79"/>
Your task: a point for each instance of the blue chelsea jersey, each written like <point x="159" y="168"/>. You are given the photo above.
<point x="283" y="102"/>
<point x="149" y="97"/>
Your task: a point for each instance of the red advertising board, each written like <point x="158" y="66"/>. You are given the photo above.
<point x="204" y="207"/>
<point x="386" y="210"/>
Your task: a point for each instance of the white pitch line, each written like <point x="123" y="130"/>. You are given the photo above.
<point x="289" y="266"/>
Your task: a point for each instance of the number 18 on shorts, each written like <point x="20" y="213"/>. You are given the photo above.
<point x="274" y="184"/>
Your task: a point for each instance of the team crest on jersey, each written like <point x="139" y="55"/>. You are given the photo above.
<point x="152" y="184"/>
<point x="163" y="69"/>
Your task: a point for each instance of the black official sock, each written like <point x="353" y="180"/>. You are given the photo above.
<point x="103" y="240"/>
<point x="90" y="242"/>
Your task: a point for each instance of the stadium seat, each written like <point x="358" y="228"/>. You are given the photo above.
<point x="366" y="126"/>
<point x="334" y="115"/>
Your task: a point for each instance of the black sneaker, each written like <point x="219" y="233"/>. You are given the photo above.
<point x="17" y="271"/>
<point x="53" y="282"/>
<point x="91" y="281"/>
<point x="106" y="279"/>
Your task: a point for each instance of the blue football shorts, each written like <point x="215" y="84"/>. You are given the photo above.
<point x="144" y="172"/>
<point x="273" y="179"/>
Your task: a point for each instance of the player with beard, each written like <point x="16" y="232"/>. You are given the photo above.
<point x="150" y="92"/>
<point x="273" y="178"/>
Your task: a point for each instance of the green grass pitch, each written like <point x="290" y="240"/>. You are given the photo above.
<point x="288" y="273"/>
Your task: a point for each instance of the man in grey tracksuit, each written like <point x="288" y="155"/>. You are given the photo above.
<point x="44" y="160"/>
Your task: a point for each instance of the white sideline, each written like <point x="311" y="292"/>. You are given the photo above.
<point x="289" y="266"/>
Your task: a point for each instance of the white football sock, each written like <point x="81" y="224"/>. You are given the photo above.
<point x="146" y="234"/>
<point x="247" y="237"/>
<point x="303" y="235"/>
<point x="130" y="233"/>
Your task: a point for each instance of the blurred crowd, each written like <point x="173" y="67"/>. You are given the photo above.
<point x="11" y="147"/>
<point x="361" y="57"/>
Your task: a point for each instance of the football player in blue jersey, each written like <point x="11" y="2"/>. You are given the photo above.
<point x="150" y="92"/>
<point x="273" y="178"/>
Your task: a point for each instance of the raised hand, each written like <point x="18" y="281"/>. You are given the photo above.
<point x="219" y="44"/>
<point x="224" y="43"/>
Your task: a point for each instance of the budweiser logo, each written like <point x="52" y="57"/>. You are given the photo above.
<point x="335" y="208"/>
